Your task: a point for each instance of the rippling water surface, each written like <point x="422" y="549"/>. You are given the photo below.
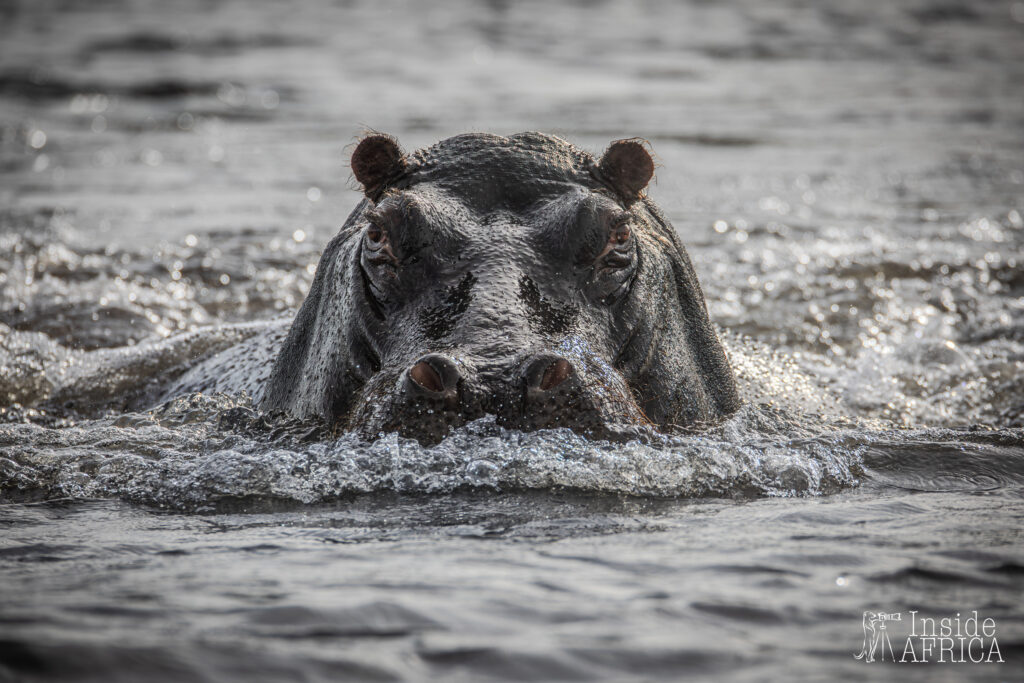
<point x="848" y="178"/>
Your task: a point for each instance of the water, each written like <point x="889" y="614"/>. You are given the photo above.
<point x="848" y="180"/>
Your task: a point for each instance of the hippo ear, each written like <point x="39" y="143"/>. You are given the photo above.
<point x="376" y="162"/>
<point x="627" y="166"/>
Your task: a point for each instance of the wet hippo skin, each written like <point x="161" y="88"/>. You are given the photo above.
<point x="513" y="276"/>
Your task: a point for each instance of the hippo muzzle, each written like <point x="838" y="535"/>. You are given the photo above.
<point x="516" y="277"/>
<point x="439" y="393"/>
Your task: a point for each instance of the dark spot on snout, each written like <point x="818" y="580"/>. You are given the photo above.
<point x="439" y="321"/>
<point x="545" y="316"/>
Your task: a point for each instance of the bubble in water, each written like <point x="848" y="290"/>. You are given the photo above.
<point x="270" y="99"/>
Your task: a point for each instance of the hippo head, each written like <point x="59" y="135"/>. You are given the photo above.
<point x="512" y="276"/>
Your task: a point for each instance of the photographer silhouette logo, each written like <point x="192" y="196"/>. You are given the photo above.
<point x="876" y="637"/>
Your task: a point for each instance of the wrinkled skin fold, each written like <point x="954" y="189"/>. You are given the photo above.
<point x="513" y="276"/>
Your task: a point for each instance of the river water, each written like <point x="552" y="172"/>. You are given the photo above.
<point x="848" y="179"/>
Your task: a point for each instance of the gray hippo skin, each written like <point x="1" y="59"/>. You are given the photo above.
<point x="512" y="276"/>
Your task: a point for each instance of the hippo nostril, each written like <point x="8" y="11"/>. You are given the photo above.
<point x="555" y="374"/>
<point x="434" y="378"/>
<point x="552" y="391"/>
<point x="427" y="377"/>
<point x="545" y="373"/>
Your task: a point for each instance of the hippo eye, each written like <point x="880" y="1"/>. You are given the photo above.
<point x="614" y="268"/>
<point x="380" y="268"/>
<point x="618" y="251"/>
<point x="378" y="249"/>
<point x="621" y="235"/>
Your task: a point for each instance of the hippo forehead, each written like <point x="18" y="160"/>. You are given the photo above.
<point x="491" y="172"/>
<point x="450" y="230"/>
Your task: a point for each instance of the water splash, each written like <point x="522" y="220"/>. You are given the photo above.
<point x="201" y="451"/>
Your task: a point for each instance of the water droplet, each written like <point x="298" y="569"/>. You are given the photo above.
<point x="37" y="139"/>
<point x="231" y="95"/>
<point x="78" y="104"/>
<point x="270" y="99"/>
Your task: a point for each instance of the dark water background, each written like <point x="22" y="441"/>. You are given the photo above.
<point x="848" y="178"/>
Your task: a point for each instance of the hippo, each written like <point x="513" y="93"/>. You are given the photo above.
<point x="517" y="277"/>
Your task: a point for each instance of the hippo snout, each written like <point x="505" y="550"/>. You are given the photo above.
<point x="436" y="394"/>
